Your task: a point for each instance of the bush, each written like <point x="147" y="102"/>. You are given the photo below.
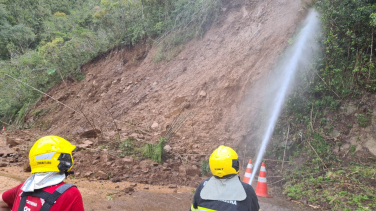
<point x="155" y="151"/>
<point x="348" y="57"/>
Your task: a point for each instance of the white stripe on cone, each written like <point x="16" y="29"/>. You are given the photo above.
<point x="249" y="166"/>
<point x="263" y="168"/>
<point x="249" y="175"/>
<point x="262" y="179"/>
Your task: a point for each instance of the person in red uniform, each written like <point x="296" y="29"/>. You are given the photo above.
<point x="50" y="161"/>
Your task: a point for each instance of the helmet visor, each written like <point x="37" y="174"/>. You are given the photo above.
<point x="235" y="164"/>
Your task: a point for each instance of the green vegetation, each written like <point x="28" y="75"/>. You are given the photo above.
<point x="205" y="168"/>
<point x="363" y="120"/>
<point x="126" y="147"/>
<point x="137" y="149"/>
<point x="42" y="42"/>
<point x="349" y="46"/>
<point x="155" y="151"/>
<point x="344" y="72"/>
<point x="343" y="188"/>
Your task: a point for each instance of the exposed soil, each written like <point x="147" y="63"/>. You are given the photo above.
<point x="209" y="78"/>
<point x="125" y="93"/>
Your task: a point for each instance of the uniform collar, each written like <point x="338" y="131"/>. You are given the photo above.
<point x="42" y="180"/>
<point x="223" y="189"/>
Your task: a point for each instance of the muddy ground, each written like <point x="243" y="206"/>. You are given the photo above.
<point x="105" y="195"/>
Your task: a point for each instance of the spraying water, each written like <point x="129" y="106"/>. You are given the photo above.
<point x="299" y="52"/>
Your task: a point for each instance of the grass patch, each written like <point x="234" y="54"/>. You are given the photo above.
<point x="155" y="151"/>
<point x="342" y="188"/>
<point x="363" y="121"/>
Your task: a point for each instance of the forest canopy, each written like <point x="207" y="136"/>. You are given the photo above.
<point x="44" y="41"/>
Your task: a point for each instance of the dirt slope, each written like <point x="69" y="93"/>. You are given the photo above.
<point x="210" y="78"/>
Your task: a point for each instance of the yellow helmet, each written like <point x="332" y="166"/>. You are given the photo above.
<point x="51" y="154"/>
<point x="224" y="161"/>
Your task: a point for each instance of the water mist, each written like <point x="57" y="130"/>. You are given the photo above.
<point x="300" y="52"/>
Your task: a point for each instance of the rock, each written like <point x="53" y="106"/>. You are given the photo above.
<point x="154" y="126"/>
<point x="86" y="144"/>
<point x="202" y="93"/>
<point x="167" y="148"/>
<point x="115" y="180"/>
<point x="79" y="130"/>
<point x="350" y="108"/>
<point x="133" y="185"/>
<point x="2" y="164"/>
<point x="146" y="163"/>
<point x="12" y="142"/>
<point x="136" y="167"/>
<point x="11" y="159"/>
<point x="105" y="157"/>
<point x="90" y="133"/>
<point x="137" y="136"/>
<point x="111" y="133"/>
<point x="5" y="151"/>
<point x="371" y="144"/>
<point x="101" y="175"/>
<point x="146" y="187"/>
<point x="193" y="171"/>
<point x="128" y="160"/>
<point x="26" y="167"/>
<point x="128" y="189"/>
<point x="334" y="134"/>
<point x="87" y="174"/>
<point x="172" y="186"/>
<point x="182" y="170"/>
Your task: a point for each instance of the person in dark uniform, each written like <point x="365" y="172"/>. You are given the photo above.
<point x="224" y="191"/>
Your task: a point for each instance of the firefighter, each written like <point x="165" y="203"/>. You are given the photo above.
<point x="50" y="161"/>
<point x="224" y="191"/>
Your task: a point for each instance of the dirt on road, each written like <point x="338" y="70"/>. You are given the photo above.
<point x="105" y="195"/>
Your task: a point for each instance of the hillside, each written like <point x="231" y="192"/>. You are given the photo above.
<point x="208" y="79"/>
<point x="132" y="95"/>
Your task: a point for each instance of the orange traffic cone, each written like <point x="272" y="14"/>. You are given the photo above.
<point x="262" y="188"/>
<point x="248" y="172"/>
